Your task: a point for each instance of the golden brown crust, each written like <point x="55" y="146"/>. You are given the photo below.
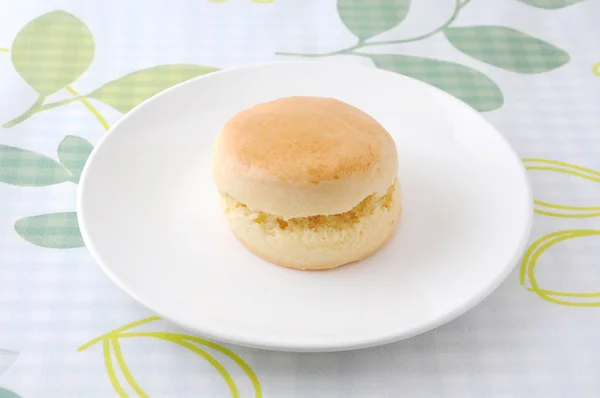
<point x="305" y="139"/>
<point x="303" y="156"/>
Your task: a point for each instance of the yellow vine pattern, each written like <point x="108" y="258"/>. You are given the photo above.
<point x="529" y="262"/>
<point x="90" y="107"/>
<point x="538" y="247"/>
<point x="110" y="344"/>
<point x="560" y="210"/>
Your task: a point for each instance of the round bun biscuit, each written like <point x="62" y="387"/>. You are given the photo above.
<point x="308" y="182"/>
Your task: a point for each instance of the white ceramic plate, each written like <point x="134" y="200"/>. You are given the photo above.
<point x="150" y="215"/>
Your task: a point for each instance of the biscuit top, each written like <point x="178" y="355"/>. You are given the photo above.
<point x="305" y="139"/>
<point x="303" y="156"/>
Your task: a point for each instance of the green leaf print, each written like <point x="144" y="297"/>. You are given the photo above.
<point x="4" y="393"/>
<point x="366" y="19"/>
<point x="29" y="169"/>
<point x="7" y="358"/>
<point x="550" y="4"/>
<point x="54" y="231"/>
<point x="507" y="48"/>
<point x="73" y="152"/>
<point x="52" y="51"/>
<point x="126" y="92"/>
<point x="469" y="85"/>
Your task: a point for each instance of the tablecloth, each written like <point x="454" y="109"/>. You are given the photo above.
<point x="69" y="69"/>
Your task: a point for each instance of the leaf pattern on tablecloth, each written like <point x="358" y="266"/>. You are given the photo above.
<point x="7" y="358"/>
<point x="520" y="52"/>
<point x="48" y="69"/>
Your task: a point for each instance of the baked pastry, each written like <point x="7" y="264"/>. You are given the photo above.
<point x="308" y="182"/>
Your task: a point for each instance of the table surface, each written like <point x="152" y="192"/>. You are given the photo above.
<point x="69" y="69"/>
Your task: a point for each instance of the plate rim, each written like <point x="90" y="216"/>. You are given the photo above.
<point x="225" y="337"/>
